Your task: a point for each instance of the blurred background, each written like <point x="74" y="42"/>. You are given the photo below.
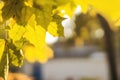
<point x="83" y="54"/>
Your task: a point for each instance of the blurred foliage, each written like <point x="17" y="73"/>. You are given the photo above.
<point x="88" y="31"/>
<point x="23" y="27"/>
<point x="18" y="76"/>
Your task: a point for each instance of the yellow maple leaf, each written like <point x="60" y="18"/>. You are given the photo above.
<point x="37" y="50"/>
<point x="16" y="32"/>
<point x="33" y="53"/>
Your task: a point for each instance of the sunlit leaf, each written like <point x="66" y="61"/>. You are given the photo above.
<point x="41" y="55"/>
<point x="55" y="27"/>
<point x="19" y="44"/>
<point x="16" y="57"/>
<point x="44" y="54"/>
<point x="29" y="3"/>
<point x="16" y="32"/>
<point x="1" y="19"/>
<point x="48" y="51"/>
<point x="1" y="4"/>
<point x="35" y="36"/>
<point x="43" y="15"/>
<point x="2" y="46"/>
<point x="33" y="53"/>
<point x="32" y="21"/>
<point x="5" y="66"/>
<point x="29" y="52"/>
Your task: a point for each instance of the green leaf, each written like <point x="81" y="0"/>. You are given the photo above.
<point x="36" y="35"/>
<point x="4" y="66"/>
<point x="16" y="32"/>
<point x="55" y="28"/>
<point x="18" y="10"/>
<point x="32" y="21"/>
<point x="25" y="15"/>
<point x="16" y="57"/>
<point x="12" y="8"/>
<point x="19" y="44"/>
<point x="2" y="33"/>
<point x="2" y="46"/>
<point x="7" y="10"/>
<point x="43" y="14"/>
<point x="15" y="53"/>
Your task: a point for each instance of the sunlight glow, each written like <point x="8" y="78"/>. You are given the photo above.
<point x="99" y="33"/>
<point x="51" y="39"/>
<point x="78" y="10"/>
<point x="68" y="25"/>
<point x="62" y="11"/>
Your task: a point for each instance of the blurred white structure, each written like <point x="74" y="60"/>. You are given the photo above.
<point x="76" y="68"/>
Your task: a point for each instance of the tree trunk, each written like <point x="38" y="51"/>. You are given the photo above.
<point x="109" y="47"/>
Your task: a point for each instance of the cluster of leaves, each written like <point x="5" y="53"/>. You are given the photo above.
<point x="23" y="27"/>
<point x="24" y="23"/>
